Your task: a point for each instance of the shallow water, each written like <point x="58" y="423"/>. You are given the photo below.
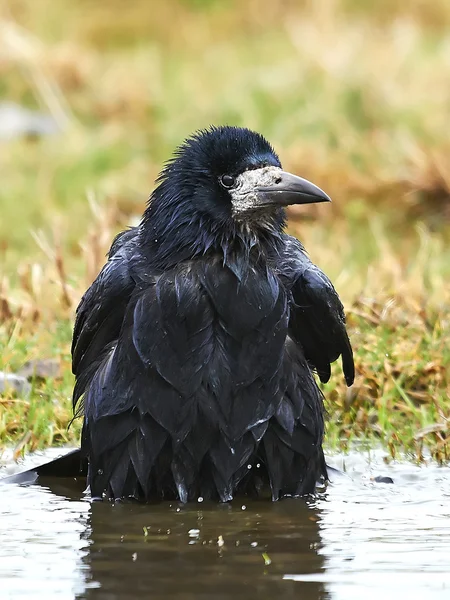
<point x="356" y="540"/>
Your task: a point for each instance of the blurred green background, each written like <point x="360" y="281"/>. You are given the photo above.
<point x="353" y="95"/>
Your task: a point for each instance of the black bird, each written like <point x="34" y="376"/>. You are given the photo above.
<point x="194" y="348"/>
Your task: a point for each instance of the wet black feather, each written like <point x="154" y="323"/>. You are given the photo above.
<point x="193" y="350"/>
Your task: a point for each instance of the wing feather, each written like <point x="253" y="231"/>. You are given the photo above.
<point x="317" y="316"/>
<point x="101" y="312"/>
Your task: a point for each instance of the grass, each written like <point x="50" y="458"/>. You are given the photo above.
<point x="353" y="97"/>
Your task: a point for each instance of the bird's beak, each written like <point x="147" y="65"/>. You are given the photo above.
<point x="289" y="189"/>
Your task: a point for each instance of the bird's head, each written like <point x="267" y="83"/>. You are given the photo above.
<point x="232" y="172"/>
<point x="224" y="179"/>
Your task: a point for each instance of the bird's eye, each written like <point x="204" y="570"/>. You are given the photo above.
<point x="227" y="181"/>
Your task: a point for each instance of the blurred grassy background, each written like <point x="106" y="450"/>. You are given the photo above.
<point x="354" y="96"/>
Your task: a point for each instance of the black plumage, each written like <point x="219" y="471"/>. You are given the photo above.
<point x="193" y="349"/>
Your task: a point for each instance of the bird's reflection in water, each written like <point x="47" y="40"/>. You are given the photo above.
<point x="230" y="551"/>
<point x="357" y="540"/>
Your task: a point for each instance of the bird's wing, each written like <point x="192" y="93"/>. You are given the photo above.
<point x="101" y="311"/>
<point x="317" y="318"/>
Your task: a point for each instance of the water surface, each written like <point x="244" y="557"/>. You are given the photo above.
<point x="358" y="539"/>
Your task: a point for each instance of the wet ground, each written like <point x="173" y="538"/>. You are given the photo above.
<point x="357" y="540"/>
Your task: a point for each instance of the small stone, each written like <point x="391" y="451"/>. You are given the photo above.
<point x="45" y="368"/>
<point x="383" y="479"/>
<point x="11" y="381"/>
